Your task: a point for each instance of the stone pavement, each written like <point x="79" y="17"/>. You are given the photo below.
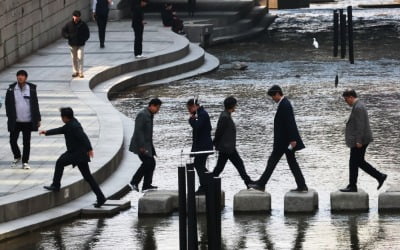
<point x="50" y="69"/>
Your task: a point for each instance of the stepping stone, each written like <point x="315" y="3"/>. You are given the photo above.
<point x="349" y="201"/>
<point x="122" y="204"/>
<point x="103" y="211"/>
<point x="249" y="200"/>
<point x="173" y="193"/>
<point x="301" y="202"/>
<point x="389" y="201"/>
<point x="156" y="203"/>
<point x="201" y="202"/>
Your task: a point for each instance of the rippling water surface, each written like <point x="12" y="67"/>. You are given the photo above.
<point x="286" y="57"/>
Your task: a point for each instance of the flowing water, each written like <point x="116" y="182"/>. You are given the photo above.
<point x="284" y="56"/>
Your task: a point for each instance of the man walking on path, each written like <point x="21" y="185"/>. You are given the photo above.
<point x="142" y="145"/>
<point x="77" y="33"/>
<point x="138" y="25"/>
<point x="22" y="109"/>
<point x="201" y="140"/>
<point x="225" y="142"/>
<point x="79" y="152"/>
<point x="286" y="141"/>
<point x="358" y="136"/>
<point x="100" y="10"/>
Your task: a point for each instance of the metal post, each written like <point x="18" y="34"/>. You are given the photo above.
<point x="210" y="211"/>
<point x="192" y="219"/>
<point x="182" y="208"/>
<point x="350" y="31"/>
<point x="342" y="34"/>
<point x="217" y="190"/>
<point x="335" y="33"/>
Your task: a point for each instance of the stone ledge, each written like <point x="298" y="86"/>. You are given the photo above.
<point x="248" y="200"/>
<point x="155" y="203"/>
<point x="389" y="201"/>
<point x="349" y="201"/>
<point x="201" y="202"/>
<point x="299" y="202"/>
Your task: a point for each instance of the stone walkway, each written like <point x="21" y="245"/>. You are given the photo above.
<point x="50" y="69"/>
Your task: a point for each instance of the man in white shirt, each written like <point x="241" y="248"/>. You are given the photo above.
<point x="22" y="109"/>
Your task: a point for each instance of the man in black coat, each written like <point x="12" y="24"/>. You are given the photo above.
<point x="138" y="25"/>
<point x="286" y="141"/>
<point x="77" y="33"/>
<point x="225" y="142"/>
<point x="201" y="140"/>
<point x="22" y="109"/>
<point x="79" y="152"/>
<point x="100" y="10"/>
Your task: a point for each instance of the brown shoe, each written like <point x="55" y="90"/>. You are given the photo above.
<point x="75" y="74"/>
<point x="81" y="75"/>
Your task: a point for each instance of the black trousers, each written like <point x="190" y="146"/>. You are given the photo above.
<point x="200" y="166"/>
<point x="65" y="160"/>
<point x="236" y="161"/>
<point x="101" y="24"/>
<point x="26" y="129"/>
<point x="357" y="161"/>
<point x="138" y="30"/>
<point x="273" y="160"/>
<point x="145" y="171"/>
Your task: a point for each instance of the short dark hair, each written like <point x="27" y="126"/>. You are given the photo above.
<point x="230" y="102"/>
<point x="155" y="101"/>
<point x="67" y="112"/>
<point x="22" y="72"/>
<point x="76" y="13"/>
<point x="192" y="102"/>
<point x="349" y="92"/>
<point x="274" y="90"/>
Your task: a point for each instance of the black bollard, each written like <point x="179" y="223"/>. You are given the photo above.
<point x="182" y="208"/>
<point x="192" y="219"/>
<point x="350" y="31"/>
<point x="210" y="210"/>
<point x="217" y="189"/>
<point x="342" y="34"/>
<point x="335" y="33"/>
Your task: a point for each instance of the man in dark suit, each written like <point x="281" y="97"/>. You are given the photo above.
<point x="138" y="25"/>
<point x="142" y="145"/>
<point x="199" y="120"/>
<point x="286" y="141"/>
<point x="22" y="109"/>
<point x="79" y="152"/>
<point x="358" y="136"/>
<point x="100" y="10"/>
<point x="225" y="142"/>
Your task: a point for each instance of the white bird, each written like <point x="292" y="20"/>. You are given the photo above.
<point x="315" y="43"/>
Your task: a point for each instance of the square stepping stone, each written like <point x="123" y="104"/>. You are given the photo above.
<point x="103" y="211"/>
<point x="154" y="203"/>
<point x="249" y="200"/>
<point x="301" y="202"/>
<point x="201" y="202"/>
<point x="389" y="201"/>
<point x="173" y="193"/>
<point x="349" y="201"/>
<point x="122" y="204"/>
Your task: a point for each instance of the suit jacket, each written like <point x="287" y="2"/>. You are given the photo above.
<point x="285" y="127"/>
<point x="201" y="133"/>
<point x="77" y="142"/>
<point x="11" y="110"/>
<point x="137" y="12"/>
<point x="357" y="127"/>
<point x="143" y="133"/>
<point x="225" y="134"/>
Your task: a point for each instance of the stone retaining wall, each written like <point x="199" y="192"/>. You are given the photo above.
<point x="27" y="25"/>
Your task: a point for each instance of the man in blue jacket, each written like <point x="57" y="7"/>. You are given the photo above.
<point x="79" y="152"/>
<point x="199" y="120"/>
<point x="286" y="141"/>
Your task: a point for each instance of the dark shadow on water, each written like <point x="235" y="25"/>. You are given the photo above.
<point x="145" y="229"/>
<point x="301" y="223"/>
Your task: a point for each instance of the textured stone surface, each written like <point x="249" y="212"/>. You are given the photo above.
<point x="201" y="202"/>
<point x="248" y="200"/>
<point x="299" y="202"/>
<point x="389" y="201"/>
<point x="154" y="203"/>
<point x="103" y="211"/>
<point x="351" y="201"/>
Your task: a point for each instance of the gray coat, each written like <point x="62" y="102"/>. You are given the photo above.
<point x="143" y="134"/>
<point x="225" y="134"/>
<point x="357" y="127"/>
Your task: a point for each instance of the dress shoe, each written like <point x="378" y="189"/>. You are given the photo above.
<point x="300" y="189"/>
<point x="256" y="186"/>
<point x="382" y="180"/>
<point x="134" y="187"/>
<point x="250" y="182"/>
<point x="151" y="187"/>
<point x="52" y="188"/>
<point x="15" y="162"/>
<point x="101" y="46"/>
<point x="75" y="74"/>
<point x="99" y="203"/>
<point x="348" y="189"/>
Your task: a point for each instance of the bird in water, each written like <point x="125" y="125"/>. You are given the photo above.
<point x="315" y="43"/>
<point x="336" y="81"/>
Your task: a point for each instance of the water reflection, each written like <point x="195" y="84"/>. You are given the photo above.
<point x="252" y="227"/>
